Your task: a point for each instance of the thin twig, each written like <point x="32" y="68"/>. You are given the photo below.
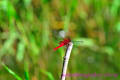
<point x="66" y="60"/>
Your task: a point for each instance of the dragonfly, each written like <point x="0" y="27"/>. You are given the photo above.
<point x="65" y="42"/>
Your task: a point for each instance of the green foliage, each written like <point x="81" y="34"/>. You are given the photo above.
<point x="11" y="72"/>
<point x="118" y="26"/>
<point x="20" y="51"/>
<point x="26" y="72"/>
<point x="45" y="1"/>
<point x="29" y="30"/>
<point x="7" y="45"/>
<point x="115" y="7"/>
<point x="48" y="74"/>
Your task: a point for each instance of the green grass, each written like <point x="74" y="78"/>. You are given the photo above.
<point x="12" y="72"/>
<point x="29" y="30"/>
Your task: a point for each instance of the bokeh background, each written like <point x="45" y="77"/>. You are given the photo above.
<point x="30" y="29"/>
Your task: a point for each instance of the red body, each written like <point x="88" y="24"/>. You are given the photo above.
<point x="62" y="43"/>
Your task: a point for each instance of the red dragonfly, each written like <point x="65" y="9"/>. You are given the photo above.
<point x="65" y="42"/>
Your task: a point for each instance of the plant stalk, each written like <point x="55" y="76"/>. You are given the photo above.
<point x="66" y="60"/>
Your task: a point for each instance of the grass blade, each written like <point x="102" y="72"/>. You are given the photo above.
<point x="50" y="76"/>
<point x="26" y="71"/>
<point x="11" y="72"/>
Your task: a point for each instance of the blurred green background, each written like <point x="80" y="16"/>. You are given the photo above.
<point x="30" y="29"/>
